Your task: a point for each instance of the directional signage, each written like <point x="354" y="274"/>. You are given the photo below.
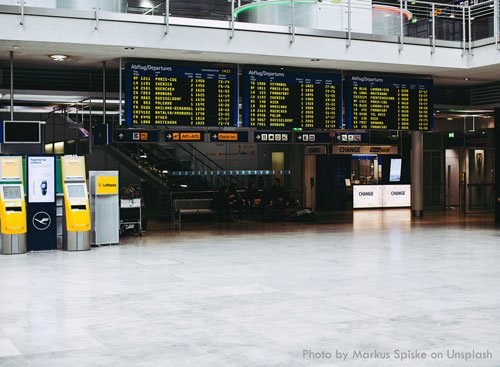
<point x="136" y="136"/>
<point x="351" y="138"/>
<point x="308" y="138"/>
<point x="365" y="149"/>
<point x="184" y="136"/>
<point x="229" y="136"/>
<point x="272" y="137"/>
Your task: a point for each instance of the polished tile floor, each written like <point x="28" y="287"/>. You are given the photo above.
<point x="359" y="292"/>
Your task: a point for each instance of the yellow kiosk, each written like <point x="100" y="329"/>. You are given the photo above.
<point x="12" y="206"/>
<point x="76" y="233"/>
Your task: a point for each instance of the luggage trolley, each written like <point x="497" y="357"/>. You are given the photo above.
<point x="130" y="216"/>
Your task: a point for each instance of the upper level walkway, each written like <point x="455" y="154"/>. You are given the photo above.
<point x="407" y="37"/>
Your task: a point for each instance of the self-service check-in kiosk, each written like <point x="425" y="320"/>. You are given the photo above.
<point x="105" y="207"/>
<point x="12" y="206"/>
<point x="76" y="231"/>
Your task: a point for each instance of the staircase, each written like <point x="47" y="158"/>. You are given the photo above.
<point x="153" y="162"/>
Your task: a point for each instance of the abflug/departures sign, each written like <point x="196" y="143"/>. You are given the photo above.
<point x="288" y="99"/>
<point x="180" y="95"/>
<point x="388" y="103"/>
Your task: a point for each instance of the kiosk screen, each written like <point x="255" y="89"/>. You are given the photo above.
<point x="395" y="172"/>
<point x="76" y="191"/>
<point x="11" y="192"/>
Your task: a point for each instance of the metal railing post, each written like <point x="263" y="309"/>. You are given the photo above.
<point x="120" y="98"/>
<point x="463" y="31"/>
<point x="167" y="16"/>
<point x="97" y="15"/>
<point x="495" y="22"/>
<point x="349" y="25"/>
<point x="433" y="30"/>
<point x="401" y="40"/>
<point x="21" y="11"/>
<point x="232" y="20"/>
<point x="292" y="24"/>
<point x="470" y="30"/>
<point x="11" y="85"/>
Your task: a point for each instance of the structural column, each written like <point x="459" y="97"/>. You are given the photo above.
<point x="497" y="166"/>
<point x="417" y="174"/>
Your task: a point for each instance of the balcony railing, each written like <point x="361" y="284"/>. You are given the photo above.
<point x="405" y="22"/>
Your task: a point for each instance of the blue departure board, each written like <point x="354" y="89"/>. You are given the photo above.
<point x="292" y="99"/>
<point x="388" y="103"/>
<point x="180" y="95"/>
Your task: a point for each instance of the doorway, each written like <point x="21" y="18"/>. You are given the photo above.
<point x="433" y="178"/>
<point x="481" y="183"/>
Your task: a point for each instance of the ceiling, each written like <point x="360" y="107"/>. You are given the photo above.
<point x="36" y="55"/>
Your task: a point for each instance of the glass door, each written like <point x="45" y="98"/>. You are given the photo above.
<point x="481" y="179"/>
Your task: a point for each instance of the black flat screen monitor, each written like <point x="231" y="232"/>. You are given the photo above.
<point x="21" y="132"/>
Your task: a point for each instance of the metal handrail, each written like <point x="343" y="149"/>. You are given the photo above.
<point x="470" y="17"/>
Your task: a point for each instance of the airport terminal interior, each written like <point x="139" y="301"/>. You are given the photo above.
<point x="249" y="183"/>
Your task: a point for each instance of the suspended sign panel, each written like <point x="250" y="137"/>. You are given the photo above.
<point x="386" y="103"/>
<point x="180" y="95"/>
<point x="229" y="137"/>
<point x="184" y="136"/>
<point x="365" y="149"/>
<point x="288" y="99"/>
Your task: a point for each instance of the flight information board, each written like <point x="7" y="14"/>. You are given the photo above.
<point x="180" y="95"/>
<point x="291" y="99"/>
<point x="389" y="103"/>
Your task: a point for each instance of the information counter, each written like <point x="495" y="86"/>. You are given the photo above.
<point x="381" y="196"/>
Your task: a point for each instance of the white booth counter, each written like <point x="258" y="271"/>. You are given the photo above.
<point x="381" y="196"/>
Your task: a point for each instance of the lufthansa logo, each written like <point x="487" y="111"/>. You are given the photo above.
<point x="41" y="221"/>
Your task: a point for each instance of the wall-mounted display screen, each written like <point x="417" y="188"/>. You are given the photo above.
<point x="180" y="95"/>
<point x="21" y="132"/>
<point x="379" y="102"/>
<point x="11" y="192"/>
<point x="76" y="191"/>
<point x="291" y="99"/>
<point x="395" y="170"/>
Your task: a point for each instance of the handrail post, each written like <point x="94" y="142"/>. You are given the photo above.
<point x="21" y="11"/>
<point x="433" y="34"/>
<point x="349" y="25"/>
<point x="463" y="32"/>
<point x="232" y="20"/>
<point x="401" y="40"/>
<point x="120" y="98"/>
<point x="495" y="22"/>
<point x="97" y="15"/>
<point x="470" y="31"/>
<point x="167" y="16"/>
<point x="292" y="24"/>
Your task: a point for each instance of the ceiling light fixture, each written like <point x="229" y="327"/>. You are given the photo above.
<point x="466" y="79"/>
<point x="315" y="60"/>
<point x="58" y="57"/>
<point x="129" y="48"/>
